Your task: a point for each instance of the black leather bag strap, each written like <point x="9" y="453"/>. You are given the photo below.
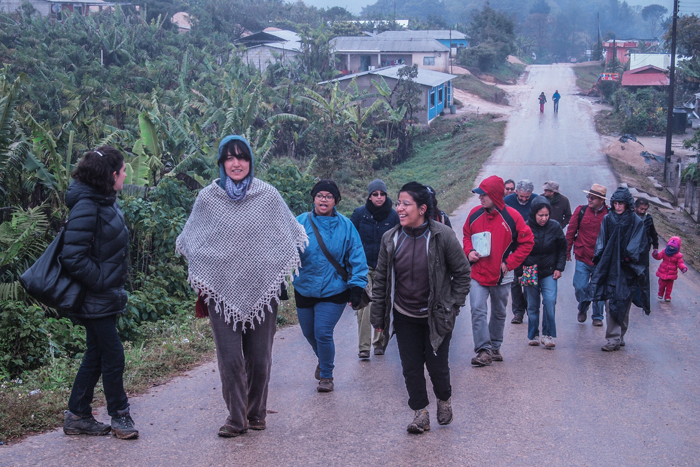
<point x="339" y="269"/>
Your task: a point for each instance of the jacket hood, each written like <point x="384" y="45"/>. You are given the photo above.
<point x="494" y="187"/>
<point x="77" y="191"/>
<point x="537" y="204"/>
<point x="675" y="241"/>
<point x="222" y="172"/>
<point x="623" y="195"/>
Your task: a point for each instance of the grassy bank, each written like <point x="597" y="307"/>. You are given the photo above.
<point x="587" y="75"/>
<point x="473" y="85"/>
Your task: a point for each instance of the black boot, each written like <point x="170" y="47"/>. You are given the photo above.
<point x="123" y="426"/>
<point x="77" y="425"/>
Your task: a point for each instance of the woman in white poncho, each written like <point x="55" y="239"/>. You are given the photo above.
<point x="242" y="243"/>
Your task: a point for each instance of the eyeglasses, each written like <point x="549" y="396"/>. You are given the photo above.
<point x="321" y="197"/>
<point x="378" y="194"/>
<point x="405" y="203"/>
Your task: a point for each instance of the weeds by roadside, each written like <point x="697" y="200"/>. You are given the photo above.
<point x="587" y="75"/>
<point x="474" y="85"/>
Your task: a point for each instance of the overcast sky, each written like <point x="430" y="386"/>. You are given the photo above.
<point x="355" y="6"/>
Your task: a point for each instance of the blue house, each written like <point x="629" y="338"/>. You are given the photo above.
<point x="436" y="88"/>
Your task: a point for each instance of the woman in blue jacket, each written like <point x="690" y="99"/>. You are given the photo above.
<point x="320" y="292"/>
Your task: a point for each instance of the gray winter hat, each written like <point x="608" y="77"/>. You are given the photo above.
<point x="377" y="185"/>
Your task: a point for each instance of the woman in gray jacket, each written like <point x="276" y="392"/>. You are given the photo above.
<point x="422" y="279"/>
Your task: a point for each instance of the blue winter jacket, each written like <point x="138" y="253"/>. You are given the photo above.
<point x="317" y="276"/>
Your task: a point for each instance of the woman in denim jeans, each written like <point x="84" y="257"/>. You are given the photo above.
<point x="549" y="255"/>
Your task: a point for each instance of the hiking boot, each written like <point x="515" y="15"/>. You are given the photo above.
<point x="444" y="411"/>
<point x="483" y="358"/>
<point x="77" y="425"/>
<point x="123" y="426"/>
<point x="256" y="424"/>
<point x="597" y="322"/>
<point x="421" y="422"/>
<point x="582" y="315"/>
<point x="227" y="431"/>
<point x="610" y="347"/>
<point x="549" y="342"/>
<point x="496" y="356"/>
<point x="363" y="354"/>
<point x="378" y="351"/>
<point x="317" y="375"/>
<point x="517" y="319"/>
<point x="325" y="385"/>
<point x="534" y="342"/>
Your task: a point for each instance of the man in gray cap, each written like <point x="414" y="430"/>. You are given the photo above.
<point x="371" y="221"/>
<point x="561" y="208"/>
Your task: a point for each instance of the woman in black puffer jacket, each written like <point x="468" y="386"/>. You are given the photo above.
<point x="95" y="250"/>
<point x="549" y="254"/>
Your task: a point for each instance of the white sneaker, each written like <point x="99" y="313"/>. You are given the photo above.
<point x="534" y="342"/>
<point x="549" y="342"/>
<point x="542" y="339"/>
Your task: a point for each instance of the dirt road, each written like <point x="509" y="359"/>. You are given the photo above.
<point x="574" y="405"/>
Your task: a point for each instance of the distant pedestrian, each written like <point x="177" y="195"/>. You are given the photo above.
<point x="509" y="187"/>
<point x="241" y="242"/>
<point x="581" y="236"/>
<point x="671" y="261"/>
<point x="521" y="201"/>
<point x="561" y="208"/>
<point x="555" y="98"/>
<point x="617" y="250"/>
<point x="372" y="221"/>
<point x="545" y="262"/>
<point x="320" y="292"/>
<point x="438" y="215"/>
<point x="422" y="280"/>
<point x="95" y="253"/>
<point x="642" y="292"/>
<point x="543" y="101"/>
<point x="511" y="241"/>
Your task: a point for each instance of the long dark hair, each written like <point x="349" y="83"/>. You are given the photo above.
<point x="421" y="195"/>
<point x="96" y="169"/>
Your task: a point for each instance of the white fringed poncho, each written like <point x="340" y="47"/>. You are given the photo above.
<point x="240" y="252"/>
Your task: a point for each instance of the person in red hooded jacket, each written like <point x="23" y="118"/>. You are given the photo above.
<point x="671" y="261"/>
<point x="511" y="242"/>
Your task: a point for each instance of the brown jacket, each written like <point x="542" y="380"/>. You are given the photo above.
<point x="449" y="276"/>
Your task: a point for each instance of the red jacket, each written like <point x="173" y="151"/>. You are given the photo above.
<point x="500" y="221"/>
<point x="668" y="269"/>
<point x="583" y="237"/>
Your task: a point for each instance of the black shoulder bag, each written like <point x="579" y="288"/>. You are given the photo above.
<point x="366" y="297"/>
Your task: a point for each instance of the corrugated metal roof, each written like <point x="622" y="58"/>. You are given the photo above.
<point x="377" y="44"/>
<point x="425" y="77"/>
<point x="645" y="76"/>
<point x="437" y="34"/>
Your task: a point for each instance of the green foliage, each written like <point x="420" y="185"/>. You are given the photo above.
<point x="23" y="338"/>
<point x="493" y="34"/>
<point x="294" y="185"/>
<point x="646" y="110"/>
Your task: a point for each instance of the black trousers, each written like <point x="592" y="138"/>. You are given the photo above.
<point x="416" y="353"/>
<point x="104" y="356"/>
<point x="519" y="299"/>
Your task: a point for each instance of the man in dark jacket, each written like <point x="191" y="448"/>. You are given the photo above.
<point x="617" y="258"/>
<point x="642" y="294"/>
<point x="561" y="208"/>
<point x="521" y="201"/>
<point x="372" y="221"/>
<point x="581" y="236"/>
<point x="511" y="242"/>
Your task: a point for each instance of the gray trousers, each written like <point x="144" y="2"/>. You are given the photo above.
<point x="367" y="336"/>
<point x="488" y="334"/>
<point x="244" y="360"/>
<point x="614" y="332"/>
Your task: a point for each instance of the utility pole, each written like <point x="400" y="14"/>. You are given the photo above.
<point x="450" y="50"/>
<point x="599" y="45"/>
<point x="672" y="82"/>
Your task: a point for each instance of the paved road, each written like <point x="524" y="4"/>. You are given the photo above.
<point x="574" y="405"/>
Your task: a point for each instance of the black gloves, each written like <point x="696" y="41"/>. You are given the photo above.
<point x="355" y="296"/>
<point x="283" y="292"/>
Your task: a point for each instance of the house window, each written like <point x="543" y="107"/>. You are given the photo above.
<point x="432" y="99"/>
<point x="428" y="61"/>
<point x="440" y="96"/>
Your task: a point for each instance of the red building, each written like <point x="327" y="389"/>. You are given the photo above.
<point x="645" y="76"/>
<point x="623" y="49"/>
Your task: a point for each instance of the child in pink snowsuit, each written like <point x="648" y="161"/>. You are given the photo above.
<point x="671" y="261"/>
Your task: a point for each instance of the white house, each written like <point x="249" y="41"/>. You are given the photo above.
<point x="270" y="46"/>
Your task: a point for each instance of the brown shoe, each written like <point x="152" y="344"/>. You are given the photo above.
<point x="496" y="356"/>
<point x="256" y="425"/>
<point x="444" y="411"/>
<point x="363" y="354"/>
<point x="378" y="351"/>
<point x="610" y="347"/>
<point x="597" y="322"/>
<point x="227" y="431"/>
<point x="420" y="423"/>
<point x="483" y="358"/>
<point x="325" y="385"/>
<point x="517" y="319"/>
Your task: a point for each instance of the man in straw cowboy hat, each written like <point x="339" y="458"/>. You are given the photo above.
<point x="581" y="235"/>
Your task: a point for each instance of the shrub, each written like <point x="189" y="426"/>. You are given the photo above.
<point x="24" y="339"/>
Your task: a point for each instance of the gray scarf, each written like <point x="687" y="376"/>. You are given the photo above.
<point x="240" y="252"/>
